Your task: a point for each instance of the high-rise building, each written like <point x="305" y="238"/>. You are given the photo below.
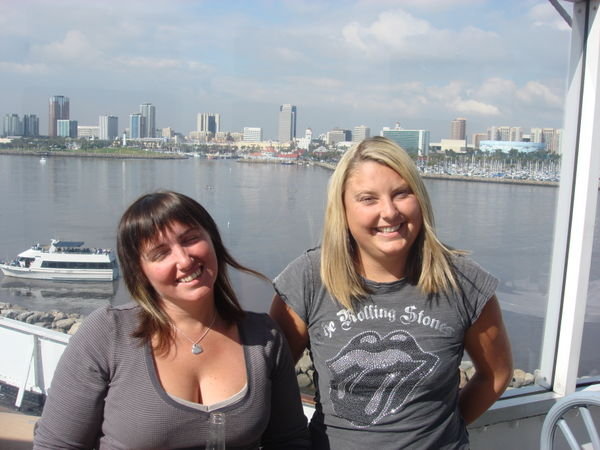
<point x="109" y="127"/>
<point x="458" y="129"/>
<point x="477" y="138"/>
<point x="12" y="125"/>
<point x="252" y="134"/>
<point x="208" y="122"/>
<point x="516" y="134"/>
<point x="136" y="125"/>
<point x="148" y="111"/>
<point x="413" y="141"/>
<point x="31" y="125"/>
<point x="504" y="133"/>
<point x="58" y="109"/>
<point x="287" y="123"/>
<point x="66" y="128"/>
<point x="360" y="133"/>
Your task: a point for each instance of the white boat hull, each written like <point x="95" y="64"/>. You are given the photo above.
<point x="58" y="274"/>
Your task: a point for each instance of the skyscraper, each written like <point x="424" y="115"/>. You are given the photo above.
<point x="12" y="125"/>
<point x="209" y="123"/>
<point x="109" y="127"/>
<point x="66" y="128"/>
<point x="360" y="133"/>
<point x="58" y="109"/>
<point x="31" y="125"/>
<point x="148" y="111"/>
<point x="458" y="129"/>
<point x="136" y="125"/>
<point x="287" y="123"/>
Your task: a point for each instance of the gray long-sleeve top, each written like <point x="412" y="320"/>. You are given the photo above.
<point x="106" y="394"/>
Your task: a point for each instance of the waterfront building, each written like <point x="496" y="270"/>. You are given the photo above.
<point x="477" y="138"/>
<point x="108" y="127"/>
<point x="536" y="135"/>
<point x="31" y="125"/>
<point x="454" y="145"/>
<point x="12" y="125"/>
<point x="360" y="133"/>
<point x="413" y="141"/>
<point x="208" y="122"/>
<point x="252" y="134"/>
<point x="148" y="111"/>
<point x="516" y="134"/>
<point x="458" y="129"/>
<point x="304" y="142"/>
<point x="58" y="109"/>
<point x="168" y="132"/>
<point x="88" y="131"/>
<point x="507" y="146"/>
<point x="492" y="133"/>
<point x="287" y="123"/>
<point x="66" y="128"/>
<point x="550" y="138"/>
<point x="337" y="135"/>
<point x="136" y="125"/>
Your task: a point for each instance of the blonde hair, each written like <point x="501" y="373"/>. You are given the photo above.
<point x="428" y="263"/>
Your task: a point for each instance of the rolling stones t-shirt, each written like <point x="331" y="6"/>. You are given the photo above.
<point x="386" y="372"/>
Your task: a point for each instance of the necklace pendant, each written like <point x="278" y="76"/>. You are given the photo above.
<point x="196" y="349"/>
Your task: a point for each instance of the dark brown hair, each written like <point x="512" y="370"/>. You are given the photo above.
<point x="141" y="223"/>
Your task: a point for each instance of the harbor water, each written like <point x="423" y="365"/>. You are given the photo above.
<point x="268" y="214"/>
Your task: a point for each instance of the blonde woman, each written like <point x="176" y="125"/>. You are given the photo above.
<point x="387" y="311"/>
<point x="148" y="375"/>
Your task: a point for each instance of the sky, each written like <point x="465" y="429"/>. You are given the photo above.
<point x="420" y="63"/>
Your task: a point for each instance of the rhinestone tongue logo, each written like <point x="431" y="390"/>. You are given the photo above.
<point x="371" y="377"/>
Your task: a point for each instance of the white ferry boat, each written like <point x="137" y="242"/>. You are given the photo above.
<point x="64" y="261"/>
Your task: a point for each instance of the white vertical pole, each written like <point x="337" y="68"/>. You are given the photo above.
<point x="583" y="214"/>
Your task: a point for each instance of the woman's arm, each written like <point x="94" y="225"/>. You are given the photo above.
<point x="487" y="343"/>
<point x="293" y="327"/>
<point x="287" y="427"/>
<point x="73" y="412"/>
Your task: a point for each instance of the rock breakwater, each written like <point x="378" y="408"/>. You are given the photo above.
<point x="53" y="320"/>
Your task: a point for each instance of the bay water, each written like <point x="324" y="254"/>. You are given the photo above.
<point x="268" y="214"/>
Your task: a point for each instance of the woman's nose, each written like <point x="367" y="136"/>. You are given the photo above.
<point x="183" y="259"/>
<point x="389" y="210"/>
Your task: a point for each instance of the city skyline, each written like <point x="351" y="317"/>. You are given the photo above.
<point x="420" y="63"/>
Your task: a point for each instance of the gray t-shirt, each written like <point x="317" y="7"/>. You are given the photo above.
<point x="386" y="374"/>
<point x="106" y="392"/>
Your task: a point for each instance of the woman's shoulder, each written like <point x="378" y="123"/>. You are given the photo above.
<point x="111" y="318"/>
<point x="464" y="264"/>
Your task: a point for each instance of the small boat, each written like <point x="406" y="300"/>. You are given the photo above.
<point x="64" y="261"/>
<point x="43" y="159"/>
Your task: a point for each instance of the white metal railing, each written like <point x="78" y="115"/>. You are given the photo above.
<point x="28" y="356"/>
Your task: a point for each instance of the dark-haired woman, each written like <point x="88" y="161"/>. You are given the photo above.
<point x="149" y="374"/>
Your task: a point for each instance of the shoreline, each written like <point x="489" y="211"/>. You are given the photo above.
<point x="83" y="154"/>
<point x="328" y="166"/>
<point x="434" y="176"/>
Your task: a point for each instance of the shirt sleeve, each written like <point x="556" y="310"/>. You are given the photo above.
<point x="287" y="428"/>
<point x="295" y="285"/>
<point x="477" y="286"/>
<point x="73" y="412"/>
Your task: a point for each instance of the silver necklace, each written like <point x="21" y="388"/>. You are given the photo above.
<point x="196" y="347"/>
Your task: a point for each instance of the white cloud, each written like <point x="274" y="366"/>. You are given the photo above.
<point x="399" y="34"/>
<point x="544" y="15"/>
<point x="476" y="108"/>
<point x="535" y="92"/>
<point x="23" y="68"/>
<point x="75" y="47"/>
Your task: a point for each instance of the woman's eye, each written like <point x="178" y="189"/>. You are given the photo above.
<point x="157" y="255"/>
<point x="366" y="199"/>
